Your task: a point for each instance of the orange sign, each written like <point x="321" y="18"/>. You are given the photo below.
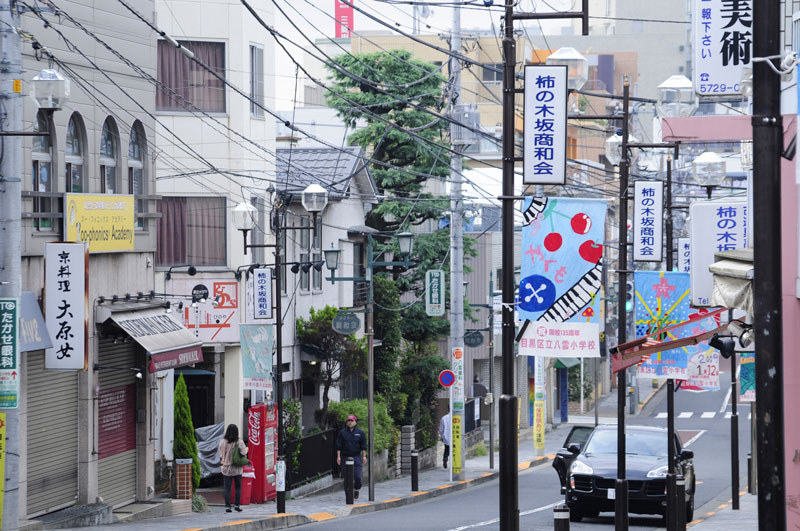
<point x="458" y="353"/>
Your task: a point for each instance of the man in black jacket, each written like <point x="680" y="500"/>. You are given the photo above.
<point x="352" y="442"/>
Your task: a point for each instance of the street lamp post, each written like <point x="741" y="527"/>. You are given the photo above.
<point x="405" y="241"/>
<point x="708" y="170"/>
<point x="244" y="219"/>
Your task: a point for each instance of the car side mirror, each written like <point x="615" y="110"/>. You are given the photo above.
<point x="687" y="454"/>
<point x="574" y="448"/>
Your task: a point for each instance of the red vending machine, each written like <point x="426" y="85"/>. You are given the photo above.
<point x="271" y="450"/>
<point x="256" y="452"/>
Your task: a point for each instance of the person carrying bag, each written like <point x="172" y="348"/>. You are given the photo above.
<point x="232" y="456"/>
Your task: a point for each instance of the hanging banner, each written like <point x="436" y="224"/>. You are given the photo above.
<point x="723" y="42"/>
<point x="562" y="340"/>
<point x="66" y="293"/>
<point x="217" y="319"/>
<point x="562" y="260"/>
<point x="747" y="376"/>
<point x="434" y="292"/>
<point x="684" y="255"/>
<point x="9" y="353"/>
<point x="714" y="227"/>
<point x="648" y="221"/>
<point x="256" y="341"/>
<point x="539" y="397"/>
<point x="703" y="368"/>
<point x="545" y="127"/>
<point x="259" y="295"/>
<point x="344" y="19"/>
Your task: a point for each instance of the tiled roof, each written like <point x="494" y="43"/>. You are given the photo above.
<point x="328" y="167"/>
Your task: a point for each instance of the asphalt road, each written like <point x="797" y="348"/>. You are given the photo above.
<point x="477" y="508"/>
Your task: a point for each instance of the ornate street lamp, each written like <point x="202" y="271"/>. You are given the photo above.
<point x="50" y="90"/>
<point x="708" y="170"/>
<point x="577" y="66"/>
<point x="676" y="98"/>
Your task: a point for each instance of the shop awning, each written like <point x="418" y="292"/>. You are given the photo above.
<point x="168" y="344"/>
<point x="566" y="363"/>
<point x="733" y="280"/>
<point x="33" y="334"/>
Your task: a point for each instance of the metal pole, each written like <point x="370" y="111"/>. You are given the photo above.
<point x="671" y="486"/>
<point x="680" y="509"/>
<point x="668" y="209"/>
<point x="561" y="518"/>
<point x="621" y="503"/>
<point x="734" y="436"/>
<point x="11" y="229"/>
<point x="596" y="362"/>
<point x="491" y="371"/>
<point x="456" y="239"/>
<point x="509" y="487"/>
<point x="767" y="289"/>
<point x="414" y="471"/>
<point x="582" y="410"/>
<point x="349" y="478"/>
<point x="281" y="495"/>
<point x="369" y="332"/>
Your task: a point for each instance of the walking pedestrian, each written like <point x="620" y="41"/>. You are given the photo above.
<point x="231" y="474"/>
<point x="444" y="433"/>
<point x="352" y="442"/>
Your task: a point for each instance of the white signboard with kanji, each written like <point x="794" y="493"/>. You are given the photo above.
<point x="259" y="295"/>
<point x="217" y="319"/>
<point x="648" y="220"/>
<point x="561" y="340"/>
<point x="714" y="227"/>
<point x="434" y="292"/>
<point x="545" y="128"/>
<point x="65" y="306"/>
<point x="723" y="44"/>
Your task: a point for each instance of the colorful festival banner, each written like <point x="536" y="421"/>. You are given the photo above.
<point x="703" y="368"/>
<point x="257" y="344"/>
<point x="562" y="259"/>
<point x="747" y="377"/>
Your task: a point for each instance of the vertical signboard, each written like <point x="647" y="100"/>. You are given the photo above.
<point x="256" y="341"/>
<point x="259" y="295"/>
<point x="2" y="462"/>
<point x="457" y="405"/>
<point x="684" y="255"/>
<point x="539" y="397"/>
<point x="66" y="292"/>
<point x="648" y="220"/>
<point x="9" y="353"/>
<point x="723" y="43"/>
<point x="714" y="227"/>
<point x="434" y="292"/>
<point x="545" y="128"/>
<point x="344" y="19"/>
<point x="747" y="376"/>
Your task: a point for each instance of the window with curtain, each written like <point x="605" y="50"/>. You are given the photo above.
<point x="73" y="155"/>
<point x="256" y="80"/>
<point x="191" y="231"/>
<point x="136" y="171"/>
<point x="42" y="166"/>
<point x="108" y="157"/>
<point x="189" y="84"/>
<point x="305" y="247"/>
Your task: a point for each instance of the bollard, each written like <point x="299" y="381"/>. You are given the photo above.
<point x="561" y="518"/>
<point x="680" y="493"/>
<point x="349" y="477"/>
<point x="749" y="473"/>
<point x="414" y="471"/>
<point x="671" y="503"/>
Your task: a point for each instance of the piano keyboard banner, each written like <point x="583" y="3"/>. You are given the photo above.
<point x="562" y="259"/>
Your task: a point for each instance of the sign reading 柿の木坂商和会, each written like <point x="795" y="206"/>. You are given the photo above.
<point x="545" y="127"/>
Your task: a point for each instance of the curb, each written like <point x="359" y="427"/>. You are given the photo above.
<point x="283" y="521"/>
<point x="652" y="394"/>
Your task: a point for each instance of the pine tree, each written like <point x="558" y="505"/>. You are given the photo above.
<point x="184" y="445"/>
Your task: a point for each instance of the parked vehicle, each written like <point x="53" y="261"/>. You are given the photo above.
<point x="587" y="469"/>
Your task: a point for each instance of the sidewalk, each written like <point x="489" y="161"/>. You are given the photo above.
<point x="718" y="515"/>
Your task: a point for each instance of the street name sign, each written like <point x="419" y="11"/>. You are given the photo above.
<point x="346" y="323"/>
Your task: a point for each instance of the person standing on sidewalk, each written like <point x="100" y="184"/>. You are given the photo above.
<point x="444" y="433"/>
<point x="352" y="442"/>
<point x="231" y="474"/>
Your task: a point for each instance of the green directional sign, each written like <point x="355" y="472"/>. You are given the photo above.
<point x="9" y="352"/>
<point x="434" y="292"/>
<point x="346" y="323"/>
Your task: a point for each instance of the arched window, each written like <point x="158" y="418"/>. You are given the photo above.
<point x="73" y="155"/>
<point x="108" y="157"/>
<point x="42" y="160"/>
<point x="137" y="156"/>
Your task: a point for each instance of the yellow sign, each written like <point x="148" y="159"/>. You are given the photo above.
<point x="105" y="221"/>
<point x="2" y="462"/>
<point x="538" y="425"/>
<point x="456" y="445"/>
<point x="18" y="86"/>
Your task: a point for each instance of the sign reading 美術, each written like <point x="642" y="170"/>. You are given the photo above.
<point x="66" y="295"/>
<point x="545" y="127"/>
<point x="434" y="292"/>
<point x="9" y="353"/>
<point x="648" y="209"/>
<point x="723" y="44"/>
<point x="105" y="222"/>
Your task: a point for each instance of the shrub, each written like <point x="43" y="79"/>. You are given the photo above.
<point x="384" y="427"/>
<point x="184" y="446"/>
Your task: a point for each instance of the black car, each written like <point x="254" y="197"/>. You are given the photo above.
<point x="587" y="468"/>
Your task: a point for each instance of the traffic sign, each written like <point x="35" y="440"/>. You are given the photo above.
<point x="346" y="323"/>
<point x="473" y="338"/>
<point x="447" y="377"/>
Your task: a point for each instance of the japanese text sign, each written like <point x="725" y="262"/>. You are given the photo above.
<point x="66" y="289"/>
<point x="545" y="128"/>
<point x="217" y="319"/>
<point x="344" y="19"/>
<point x="703" y="369"/>
<point x="259" y="295"/>
<point x="561" y="340"/>
<point x="105" y="222"/>
<point x="684" y="255"/>
<point x="256" y="342"/>
<point x="457" y="366"/>
<point x="723" y="42"/>
<point x="562" y="259"/>
<point x="648" y="219"/>
<point x="9" y="352"/>
<point x="434" y="292"/>
<point x="714" y="227"/>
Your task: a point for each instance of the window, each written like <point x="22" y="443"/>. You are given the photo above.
<point x="305" y="241"/>
<point x="73" y="155"/>
<point x="316" y="256"/>
<point x="136" y="171"/>
<point x="108" y="157"/>
<point x="256" y="80"/>
<point x="189" y="85"/>
<point x="192" y="231"/>
<point x="42" y="160"/>
<point x="491" y="75"/>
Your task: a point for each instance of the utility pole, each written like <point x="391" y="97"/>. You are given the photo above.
<point x="11" y="228"/>
<point x="491" y="371"/>
<point x="456" y="231"/>
<point x="767" y="290"/>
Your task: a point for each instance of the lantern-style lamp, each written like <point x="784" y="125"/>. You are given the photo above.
<point x="577" y="66"/>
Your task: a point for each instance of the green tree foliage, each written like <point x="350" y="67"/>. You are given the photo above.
<point x="384" y="427"/>
<point x="184" y="446"/>
<point x="389" y="330"/>
<point x="420" y="372"/>
<point x="340" y="355"/>
<point x="293" y="428"/>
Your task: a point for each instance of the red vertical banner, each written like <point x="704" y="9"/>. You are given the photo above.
<point x="344" y="19"/>
<point x="271" y="445"/>
<point x="256" y="451"/>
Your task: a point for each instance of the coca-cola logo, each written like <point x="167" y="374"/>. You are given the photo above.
<point x="254" y="423"/>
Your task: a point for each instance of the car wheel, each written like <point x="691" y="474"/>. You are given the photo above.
<point x="690" y="509"/>
<point x="575" y="515"/>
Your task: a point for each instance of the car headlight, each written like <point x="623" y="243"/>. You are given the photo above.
<point x="658" y="472"/>
<point x="579" y="467"/>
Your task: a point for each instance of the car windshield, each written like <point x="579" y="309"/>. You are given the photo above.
<point x="636" y="443"/>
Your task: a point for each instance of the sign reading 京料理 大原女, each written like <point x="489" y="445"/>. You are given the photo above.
<point x="545" y="127"/>
<point x="648" y="219"/>
<point x="723" y="45"/>
<point x="105" y="222"/>
<point x="66" y="295"/>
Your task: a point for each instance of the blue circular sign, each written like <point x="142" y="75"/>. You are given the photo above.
<point x="447" y="377"/>
<point x="536" y="293"/>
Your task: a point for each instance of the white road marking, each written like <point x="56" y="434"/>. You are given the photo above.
<point x="685" y="414"/>
<point x="693" y="439"/>
<point x="728" y="415"/>
<point x="726" y="400"/>
<point x="662" y="415"/>
<point x="495" y="520"/>
<point x="708" y="414"/>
